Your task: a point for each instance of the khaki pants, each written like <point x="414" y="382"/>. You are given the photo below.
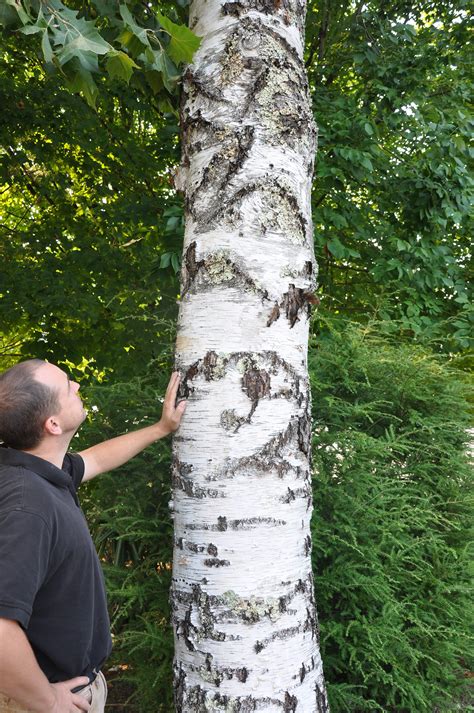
<point x="95" y="693"/>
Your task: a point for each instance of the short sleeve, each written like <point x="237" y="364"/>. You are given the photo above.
<point x="74" y="466"/>
<point x="25" y="542"/>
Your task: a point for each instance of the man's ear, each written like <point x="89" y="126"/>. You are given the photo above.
<point x="52" y="427"/>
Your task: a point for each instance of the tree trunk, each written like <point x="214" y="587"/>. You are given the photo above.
<point x="246" y="631"/>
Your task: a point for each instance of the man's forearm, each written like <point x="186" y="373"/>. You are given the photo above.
<point x="20" y="676"/>
<point x="113" y="453"/>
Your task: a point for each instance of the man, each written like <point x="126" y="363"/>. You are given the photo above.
<point x="54" y="627"/>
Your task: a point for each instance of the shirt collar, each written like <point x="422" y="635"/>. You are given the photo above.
<point x="40" y="466"/>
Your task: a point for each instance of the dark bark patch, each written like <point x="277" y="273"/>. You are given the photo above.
<point x="283" y="603"/>
<point x="223" y="524"/>
<point x="209" y="364"/>
<point x="302" y="673"/>
<point x="274" y="315"/>
<point x="241" y="674"/>
<point x="180" y="481"/>
<point x="192" y="266"/>
<point x="189" y="487"/>
<point x="304" y="433"/>
<point x="322" y="705"/>
<point x="293" y="302"/>
<point x="215" y="562"/>
<point x="201" y="86"/>
<point x="185" y="389"/>
<point x="258" y="647"/>
<point x="307" y="546"/>
<point x="250" y="522"/>
<point x="212" y="549"/>
<point x="203" y="611"/>
<point x="282" y="634"/>
<point x="187" y="629"/>
<point x="310" y="623"/>
<point x="291" y="495"/>
<point x="219" y="674"/>
<point x="256" y="384"/>
<point x="179" y="684"/>
<point x="301" y="587"/>
<point x="290" y="703"/>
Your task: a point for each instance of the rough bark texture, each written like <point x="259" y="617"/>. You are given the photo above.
<point x="244" y="614"/>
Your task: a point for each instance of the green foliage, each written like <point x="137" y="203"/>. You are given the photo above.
<point x="87" y="212"/>
<point x="129" y="517"/>
<point x="131" y="37"/>
<point x="392" y="524"/>
<point x="391" y="87"/>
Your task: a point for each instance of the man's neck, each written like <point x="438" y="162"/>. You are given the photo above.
<point x="51" y="450"/>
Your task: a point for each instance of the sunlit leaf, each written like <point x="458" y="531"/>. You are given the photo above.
<point x="119" y="65"/>
<point x="183" y="43"/>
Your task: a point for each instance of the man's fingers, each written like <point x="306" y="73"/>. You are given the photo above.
<point x="173" y="388"/>
<point x="78" y="681"/>
<point x="81" y="703"/>
<point x="181" y="406"/>
<point x="172" y="384"/>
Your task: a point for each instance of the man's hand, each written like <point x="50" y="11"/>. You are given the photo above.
<point x="65" y="700"/>
<point x="172" y="413"/>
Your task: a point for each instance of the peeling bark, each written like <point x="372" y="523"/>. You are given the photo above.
<point x="243" y="607"/>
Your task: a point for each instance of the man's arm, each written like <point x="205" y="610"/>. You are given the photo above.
<point x="110" y="454"/>
<point x="22" y="679"/>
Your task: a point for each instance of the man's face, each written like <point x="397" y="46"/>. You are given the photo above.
<point x="71" y="412"/>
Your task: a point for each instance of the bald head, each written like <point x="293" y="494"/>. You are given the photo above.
<point x="25" y="404"/>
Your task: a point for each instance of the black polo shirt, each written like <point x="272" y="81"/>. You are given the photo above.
<point x="51" y="580"/>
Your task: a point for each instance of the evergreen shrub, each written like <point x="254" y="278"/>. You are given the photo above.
<point x="128" y="514"/>
<point x="392" y="523"/>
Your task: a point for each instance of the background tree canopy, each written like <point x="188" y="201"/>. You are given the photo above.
<point x="90" y="241"/>
<point x="90" y="194"/>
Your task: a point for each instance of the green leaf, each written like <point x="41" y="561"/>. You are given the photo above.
<point x="165" y="260"/>
<point x="83" y="83"/>
<point x="155" y="80"/>
<point x="22" y="13"/>
<point x="131" y="42"/>
<point x="30" y="30"/>
<point x="46" y="47"/>
<point x="336" y="248"/>
<point x="175" y="262"/>
<point x="183" y="42"/>
<point x="119" y="65"/>
<point x="368" y="128"/>
<point x="140" y="33"/>
<point x="87" y="40"/>
<point x="169" y="73"/>
<point x="8" y="15"/>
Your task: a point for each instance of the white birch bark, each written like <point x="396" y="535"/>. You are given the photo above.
<point x="246" y="632"/>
